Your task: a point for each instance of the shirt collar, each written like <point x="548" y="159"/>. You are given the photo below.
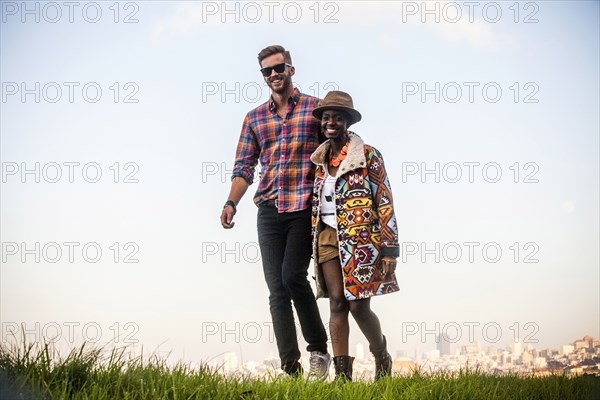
<point x="294" y="98"/>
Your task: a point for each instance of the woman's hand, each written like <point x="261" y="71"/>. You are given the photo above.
<point x="388" y="265"/>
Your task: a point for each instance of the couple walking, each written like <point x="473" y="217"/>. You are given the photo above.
<point x="323" y="193"/>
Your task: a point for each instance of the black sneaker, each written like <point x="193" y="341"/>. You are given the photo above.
<point x="294" y="370"/>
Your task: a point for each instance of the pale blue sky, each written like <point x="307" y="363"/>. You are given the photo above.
<point x="176" y="130"/>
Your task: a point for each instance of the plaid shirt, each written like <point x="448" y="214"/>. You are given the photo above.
<point x="283" y="147"/>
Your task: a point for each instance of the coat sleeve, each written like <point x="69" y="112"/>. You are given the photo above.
<point x="383" y="203"/>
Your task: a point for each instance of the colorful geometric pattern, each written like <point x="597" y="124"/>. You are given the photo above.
<point x="366" y="224"/>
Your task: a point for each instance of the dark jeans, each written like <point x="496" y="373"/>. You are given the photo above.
<point x="285" y="246"/>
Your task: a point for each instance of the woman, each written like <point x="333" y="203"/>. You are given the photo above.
<point x="355" y="237"/>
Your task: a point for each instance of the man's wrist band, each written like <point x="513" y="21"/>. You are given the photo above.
<point x="232" y="204"/>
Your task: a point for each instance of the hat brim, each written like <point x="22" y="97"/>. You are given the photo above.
<point x="354" y="115"/>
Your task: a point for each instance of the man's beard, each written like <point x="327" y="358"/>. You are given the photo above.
<point x="287" y="82"/>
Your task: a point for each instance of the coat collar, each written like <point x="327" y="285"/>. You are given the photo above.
<point x="355" y="158"/>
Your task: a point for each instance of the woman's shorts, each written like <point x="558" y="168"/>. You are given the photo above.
<point x="328" y="244"/>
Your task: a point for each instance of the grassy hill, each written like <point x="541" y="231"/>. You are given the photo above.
<point x="36" y="372"/>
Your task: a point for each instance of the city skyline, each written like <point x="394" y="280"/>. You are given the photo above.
<point x="583" y="355"/>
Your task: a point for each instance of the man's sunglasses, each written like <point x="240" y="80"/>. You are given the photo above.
<point x="279" y="68"/>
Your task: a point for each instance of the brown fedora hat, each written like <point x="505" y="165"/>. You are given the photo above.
<point x="337" y="100"/>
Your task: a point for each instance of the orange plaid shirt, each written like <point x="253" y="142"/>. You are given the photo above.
<point x="283" y="147"/>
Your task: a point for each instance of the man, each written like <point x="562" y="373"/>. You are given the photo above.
<point x="282" y="134"/>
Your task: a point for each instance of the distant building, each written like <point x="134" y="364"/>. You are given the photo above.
<point x="517" y="349"/>
<point x="580" y="344"/>
<point x="230" y="362"/>
<point x="403" y="366"/>
<point x="506" y="359"/>
<point x="554" y="365"/>
<point x="527" y="358"/>
<point x="584" y="343"/>
<point x="567" y="349"/>
<point x="417" y="354"/>
<point x="443" y="344"/>
<point x="540" y="362"/>
<point x="432" y="354"/>
<point x="548" y="353"/>
<point x="470" y="349"/>
<point x="529" y="347"/>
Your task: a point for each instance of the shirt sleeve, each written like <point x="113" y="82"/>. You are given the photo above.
<point x="247" y="152"/>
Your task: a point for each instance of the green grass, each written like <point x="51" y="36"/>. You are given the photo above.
<point x="37" y="372"/>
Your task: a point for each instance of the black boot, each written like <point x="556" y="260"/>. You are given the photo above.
<point x="343" y="367"/>
<point x="383" y="361"/>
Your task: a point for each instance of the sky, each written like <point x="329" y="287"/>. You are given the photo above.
<point x="119" y="122"/>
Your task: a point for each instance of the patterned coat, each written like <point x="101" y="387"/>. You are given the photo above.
<point x="366" y="224"/>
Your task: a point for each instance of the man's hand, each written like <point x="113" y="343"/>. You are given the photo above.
<point x="227" y="217"/>
<point x="388" y="265"/>
<point x="238" y="188"/>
